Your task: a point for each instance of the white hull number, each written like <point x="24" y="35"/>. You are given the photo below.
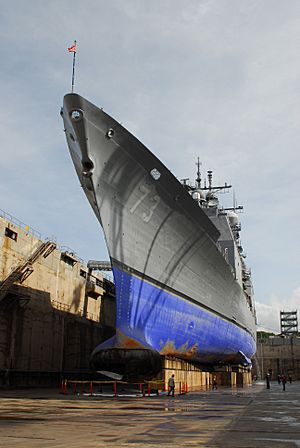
<point x="146" y="193"/>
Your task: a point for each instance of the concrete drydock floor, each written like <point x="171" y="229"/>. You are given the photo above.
<point x="248" y="417"/>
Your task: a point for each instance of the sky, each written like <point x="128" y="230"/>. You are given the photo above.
<point x="210" y="78"/>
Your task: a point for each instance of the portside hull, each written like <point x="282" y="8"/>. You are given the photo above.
<point x="150" y="320"/>
<point x="175" y="326"/>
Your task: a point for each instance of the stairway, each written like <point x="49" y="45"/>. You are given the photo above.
<point x="20" y="272"/>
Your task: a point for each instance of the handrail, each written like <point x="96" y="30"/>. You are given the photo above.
<point x="19" y="223"/>
<point x="31" y="231"/>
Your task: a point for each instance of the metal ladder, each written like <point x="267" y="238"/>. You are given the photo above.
<point x="20" y="272"/>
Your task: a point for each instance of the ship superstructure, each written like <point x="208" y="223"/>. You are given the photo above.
<point x="178" y="270"/>
<point x="226" y="220"/>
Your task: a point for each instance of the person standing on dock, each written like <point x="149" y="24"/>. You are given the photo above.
<point x="283" y="380"/>
<point x="214" y="382"/>
<point x="171" y="385"/>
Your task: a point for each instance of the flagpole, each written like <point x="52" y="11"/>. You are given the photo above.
<point x="73" y="71"/>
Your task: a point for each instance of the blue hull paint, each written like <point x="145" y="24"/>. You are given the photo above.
<point x="173" y="325"/>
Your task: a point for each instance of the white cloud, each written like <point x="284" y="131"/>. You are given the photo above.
<point x="268" y="314"/>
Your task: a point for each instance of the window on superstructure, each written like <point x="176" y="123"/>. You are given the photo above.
<point x="11" y="234"/>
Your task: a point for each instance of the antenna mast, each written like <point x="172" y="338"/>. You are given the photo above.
<point x="209" y="175"/>
<point x="198" y="179"/>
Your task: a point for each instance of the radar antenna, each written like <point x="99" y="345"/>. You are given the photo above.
<point x="217" y="188"/>
<point x="209" y="176"/>
<point x="198" y="178"/>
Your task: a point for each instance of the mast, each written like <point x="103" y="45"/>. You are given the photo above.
<point x="73" y="50"/>
<point x="198" y="178"/>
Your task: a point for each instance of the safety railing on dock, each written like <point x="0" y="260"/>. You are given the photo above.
<point x="113" y="388"/>
<point x="20" y="224"/>
<point x="31" y="231"/>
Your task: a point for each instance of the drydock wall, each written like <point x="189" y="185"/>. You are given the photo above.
<point x="55" y="314"/>
<point x="278" y="355"/>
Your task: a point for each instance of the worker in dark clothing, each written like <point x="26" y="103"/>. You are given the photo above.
<point x="171" y="385"/>
<point x="283" y="380"/>
<point x="214" y="382"/>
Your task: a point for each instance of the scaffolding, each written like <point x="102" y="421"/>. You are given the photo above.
<point x="289" y="323"/>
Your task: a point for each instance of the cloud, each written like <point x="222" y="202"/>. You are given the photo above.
<point x="268" y="314"/>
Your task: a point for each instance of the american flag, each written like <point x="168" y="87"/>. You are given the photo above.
<point x="73" y="48"/>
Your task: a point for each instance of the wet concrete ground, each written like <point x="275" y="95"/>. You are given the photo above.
<point x="248" y="417"/>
